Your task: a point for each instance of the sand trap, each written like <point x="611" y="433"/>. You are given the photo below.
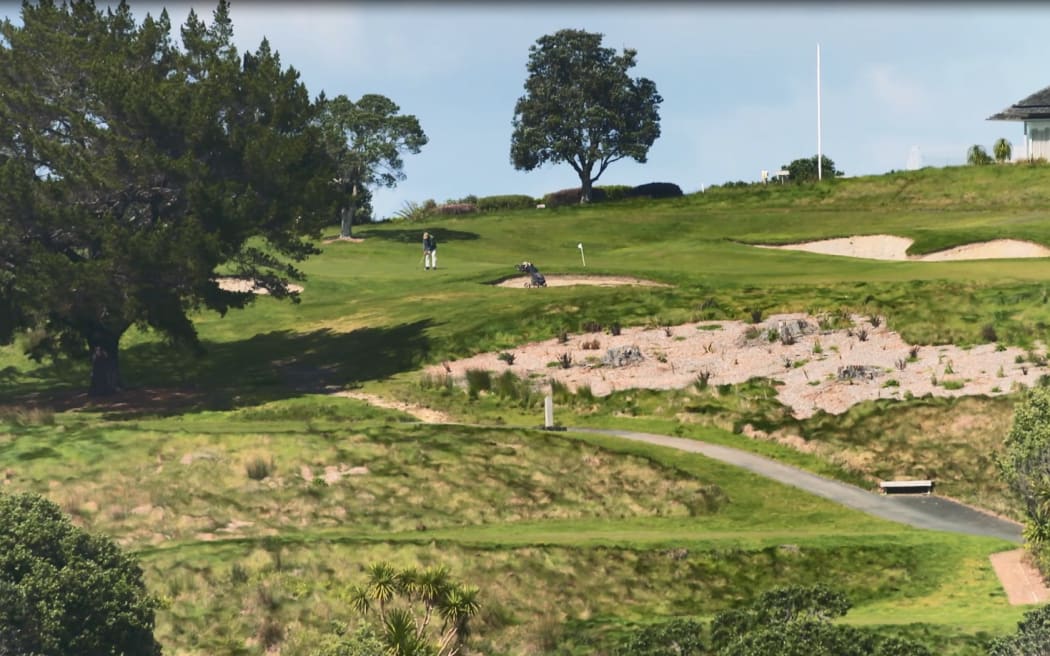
<point x="242" y="285"/>
<point x="567" y="281"/>
<point x="889" y="247"/>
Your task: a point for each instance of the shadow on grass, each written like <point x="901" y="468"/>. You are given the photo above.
<point x="415" y="235"/>
<point x="267" y="367"/>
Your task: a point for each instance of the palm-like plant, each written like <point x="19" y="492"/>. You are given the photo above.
<point x="1002" y="150"/>
<point x="459" y="605"/>
<point x="978" y="156"/>
<point x="392" y="593"/>
<point x="383" y="584"/>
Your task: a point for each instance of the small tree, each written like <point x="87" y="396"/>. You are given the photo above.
<point x="64" y="591"/>
<point x="805" y="169"/>
<point x="366" y="140"/>
<point x="1025" y="466"/>
<point x="1002" y="150"/>
<point x="978" y="156"/>
<point x="581" y="107"/>
<point x="406" y="601"/>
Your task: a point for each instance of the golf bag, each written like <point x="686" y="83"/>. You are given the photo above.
<point x="536" y="278"/>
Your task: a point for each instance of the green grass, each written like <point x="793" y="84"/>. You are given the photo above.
<point x="603" y="531"/>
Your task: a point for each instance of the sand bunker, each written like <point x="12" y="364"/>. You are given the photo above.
<point x="242" y="285"/>
<point x="813" y="369"/>
<point x="889" y="247"/>
<point x="567" y="281"/>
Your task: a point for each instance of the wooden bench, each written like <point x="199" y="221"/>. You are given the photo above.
<point x="906" y="487"/>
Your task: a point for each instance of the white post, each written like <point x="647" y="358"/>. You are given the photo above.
<point x="820" y="159"/>
<point x="548" y="412"/>
<point x="580" y="246"/>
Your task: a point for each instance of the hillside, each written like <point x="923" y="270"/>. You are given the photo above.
<point x="255" y="499"/>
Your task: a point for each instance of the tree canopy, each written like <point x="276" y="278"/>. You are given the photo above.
<point x="64" y="591"/>
<point x="581" y="107"/>
<point x="805" y="169"/>
<point x="131" y="168"/>
<point x="798" y="621"/>
<point x="366" y="140"/>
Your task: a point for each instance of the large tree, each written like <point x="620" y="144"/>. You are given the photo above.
<point x="64" y="591"/>
<point x="131" y="168"/>
<point x="1025" y="466"/>
<point x="581" y="107"/>
<point x="366" y="139"/>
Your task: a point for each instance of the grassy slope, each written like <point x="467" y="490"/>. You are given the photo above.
<point x="370" y="315"/>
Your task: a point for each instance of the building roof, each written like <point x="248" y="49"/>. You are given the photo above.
<point x="1036" y="105"/>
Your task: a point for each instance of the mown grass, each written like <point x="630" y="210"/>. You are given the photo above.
<point x="572" y="537"/>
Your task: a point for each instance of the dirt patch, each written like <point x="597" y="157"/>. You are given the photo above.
<point x="557" y="280"/>
<point x="242" y="285"/>
<point x="1021" y="580"/>
<point x="810" y="368"/>
<point x="421" y="413"/>
<point x="889" y="247"/>
<point x="342" y="240"/>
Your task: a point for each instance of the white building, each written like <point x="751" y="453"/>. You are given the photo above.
<point x="1034" y="111"/>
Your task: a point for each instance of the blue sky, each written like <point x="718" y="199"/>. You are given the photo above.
<point x="738" y="80"/>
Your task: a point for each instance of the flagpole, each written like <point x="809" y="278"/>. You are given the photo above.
<point x="820" y="159"/>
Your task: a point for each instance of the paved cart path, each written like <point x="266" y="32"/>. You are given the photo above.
<point x="922" y="511"/>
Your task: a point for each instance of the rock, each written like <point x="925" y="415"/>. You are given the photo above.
<point x="622" y="356"/>
<point x="859" y="372"/>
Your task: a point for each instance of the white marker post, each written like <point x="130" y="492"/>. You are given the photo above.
<point x="580" y="246"/>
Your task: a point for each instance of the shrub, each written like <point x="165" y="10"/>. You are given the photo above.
<point x="756" y="316"/>
<point x="988" y="333"/>
<point x="615" y="192"/>
<point x="701" y="380"/>
<point x="571" y="197"/>
<point x="614" y="329"/>
<point x="412" y="211"/>
<point x="455" y="209"/>
<point x="656" y="190"/>
<point x="506" y="202"/>
<point x="478" y="380"/>
<point x="592" y="327"/>
<point x="66" y="591"/>
<point x="591" y="345"/>
<point x="259" y="468"/>
<point x="565" y="360"/>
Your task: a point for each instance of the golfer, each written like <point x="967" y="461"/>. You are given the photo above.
<point x="430" y="255"/>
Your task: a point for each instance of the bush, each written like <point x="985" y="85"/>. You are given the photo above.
<point x="455" y="209"/>
<point x="615" y="192"/>
<point x="507" y="202"/>
<point x="259" y="468"/>
<point x="64" y="591"/>
<point x="656" y="190"/>
<point x="564" y="197"/>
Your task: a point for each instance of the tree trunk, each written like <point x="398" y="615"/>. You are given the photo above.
<point x="105" y="365"/>
<point x="585" y="185"/>
<point x="347" y="223"/>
